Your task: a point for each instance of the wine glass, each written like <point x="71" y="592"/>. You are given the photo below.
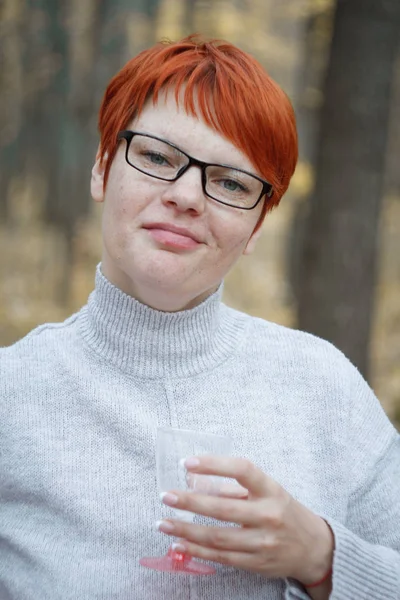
<point x="173" y="446"/>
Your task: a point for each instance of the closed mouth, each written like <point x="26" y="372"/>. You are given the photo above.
<point x="174" y="229"/>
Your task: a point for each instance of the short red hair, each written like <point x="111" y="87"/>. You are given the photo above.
<point x="234" y="95"/>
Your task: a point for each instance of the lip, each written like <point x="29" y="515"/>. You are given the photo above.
<point x="174" y="229"/>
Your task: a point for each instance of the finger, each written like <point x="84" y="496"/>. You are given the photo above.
<point x="222" y="509"/>
<point x="244" y="471"/>
<point x="232" y="490"/>
<point x="234" y="539"/>
<point x="206" y="484"/>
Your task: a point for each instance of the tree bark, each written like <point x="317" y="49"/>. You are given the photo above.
<point x="189" y="17"/>
<point x="309" y="81"/>
<point x="339" y="254"/>
<point x="11" y="96"/>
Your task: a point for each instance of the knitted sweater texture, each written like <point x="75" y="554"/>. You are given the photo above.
<point x="80" y="403"/>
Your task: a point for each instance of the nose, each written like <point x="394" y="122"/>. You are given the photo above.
<point x="186" y="193"/>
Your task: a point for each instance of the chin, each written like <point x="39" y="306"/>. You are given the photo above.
<point x="167" y="268"/>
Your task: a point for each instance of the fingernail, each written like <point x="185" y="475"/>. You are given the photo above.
<point x="178" y="547"/>
<point x="191" y="463"/>
<point x="165" y="526"/>
<point x="169" y="499"/>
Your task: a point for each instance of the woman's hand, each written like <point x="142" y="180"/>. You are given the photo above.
<point x="277" y="537"/>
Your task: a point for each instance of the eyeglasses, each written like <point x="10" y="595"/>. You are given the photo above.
<point x="161" y="159"/>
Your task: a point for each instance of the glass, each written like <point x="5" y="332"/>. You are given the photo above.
<point x="172" y="447"/>
<point x="163" y="160"/>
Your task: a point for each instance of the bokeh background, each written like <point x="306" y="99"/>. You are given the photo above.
<point x="329" y="257"/>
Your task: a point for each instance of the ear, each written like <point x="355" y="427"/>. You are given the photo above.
<point x="251" y="244"/>
<point x="97" y="179"/>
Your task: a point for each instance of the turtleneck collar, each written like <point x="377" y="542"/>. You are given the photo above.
<point x="148" y="343"/>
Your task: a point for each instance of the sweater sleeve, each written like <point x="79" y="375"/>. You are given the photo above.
<point x="367" y="547"/>
<point x="366" y="562"/>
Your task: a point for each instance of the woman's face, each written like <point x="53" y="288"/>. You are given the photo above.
<point x="140" y="256"/>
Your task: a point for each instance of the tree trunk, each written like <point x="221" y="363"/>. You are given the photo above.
<point x="11" y="94"/>
<point x="309" y="79"/>
<point x="339" y="254"/>
<point x="189" y="17"/>
<point x="393" y="171"/>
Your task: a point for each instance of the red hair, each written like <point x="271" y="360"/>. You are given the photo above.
<point x="234" y="95"/>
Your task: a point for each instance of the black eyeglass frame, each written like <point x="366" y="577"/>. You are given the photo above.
<point x="128" y="135"/>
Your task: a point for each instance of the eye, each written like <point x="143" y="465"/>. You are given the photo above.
<point x="157" y="159"/>
<point x="233" y="186"/>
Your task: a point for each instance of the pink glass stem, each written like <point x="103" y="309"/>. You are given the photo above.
<point x="177" y="562"/>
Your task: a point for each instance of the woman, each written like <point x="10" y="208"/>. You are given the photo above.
<point x="197" y="145"/>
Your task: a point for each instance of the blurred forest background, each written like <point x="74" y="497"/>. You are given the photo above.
<point x="329" y="257"/>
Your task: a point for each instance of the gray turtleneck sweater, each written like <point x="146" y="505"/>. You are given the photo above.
<point x="80" y="402"/>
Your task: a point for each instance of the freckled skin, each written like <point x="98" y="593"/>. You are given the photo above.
<point x="165" y="278"/>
